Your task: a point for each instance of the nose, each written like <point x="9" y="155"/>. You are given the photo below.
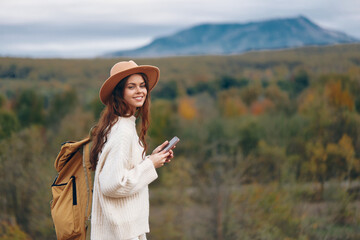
<point x="139" y="89"/>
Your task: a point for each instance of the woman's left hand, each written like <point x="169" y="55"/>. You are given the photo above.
<point x="162" y="146"/>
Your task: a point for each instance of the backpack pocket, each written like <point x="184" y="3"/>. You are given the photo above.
<point x="65" y="210"/>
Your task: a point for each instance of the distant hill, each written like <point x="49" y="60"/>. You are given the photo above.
<point x="223" y="39"/>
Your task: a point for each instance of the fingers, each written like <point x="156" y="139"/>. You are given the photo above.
<point x="158" y="148"/>
<point x="164" y="154"/>
<point x="165" y="157"/>
<point x="163" y="144"/>
<point x="171" y="155"/>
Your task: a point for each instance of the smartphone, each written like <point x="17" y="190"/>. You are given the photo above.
<point x="172" y="143"/>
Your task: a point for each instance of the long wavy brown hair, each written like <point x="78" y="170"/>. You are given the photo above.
<point x="115" y="107"/>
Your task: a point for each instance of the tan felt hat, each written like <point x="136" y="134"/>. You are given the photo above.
<point x="123" y="69"/>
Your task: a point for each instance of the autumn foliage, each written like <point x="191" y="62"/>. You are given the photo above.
<point x="269" y="148"/>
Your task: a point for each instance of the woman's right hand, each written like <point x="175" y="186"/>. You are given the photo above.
<point x="159" y="158"/>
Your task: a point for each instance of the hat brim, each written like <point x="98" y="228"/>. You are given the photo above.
<point x="152" y="73"/>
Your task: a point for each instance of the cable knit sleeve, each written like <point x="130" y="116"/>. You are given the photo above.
<point x="115" y="179"/>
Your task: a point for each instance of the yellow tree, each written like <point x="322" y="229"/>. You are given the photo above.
<point x="318" y="163"/>
<point x="343" y="153"/>
<point x="339" y="97"/>
<point x="348" y="152"/>
<point x="231" y="104"/>
<point x="187" y="108"/>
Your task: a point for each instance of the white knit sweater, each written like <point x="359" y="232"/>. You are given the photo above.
<point x="120" y="207"/>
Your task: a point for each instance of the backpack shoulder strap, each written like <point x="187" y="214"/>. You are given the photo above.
<point x="87" y="172"/>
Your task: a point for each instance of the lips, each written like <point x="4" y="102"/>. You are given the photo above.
<point x="139" y="98"/>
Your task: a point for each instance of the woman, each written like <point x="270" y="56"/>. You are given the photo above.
<point x="120" y="199"/>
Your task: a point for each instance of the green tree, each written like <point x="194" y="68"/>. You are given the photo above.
<point x="266" y="163"/>
<point x="249" y="135"/>
<point x="97" y="107"/>
<point x="251" y="93"/>
<point x="2" y="101"/>
<point x="163" y="121"/>
<point x="25" y="175"/>
<point x="166" y="90"/>
<point x="14" y="71"/>
<point x="301" y="82"/>
<point x="8" y="123"/>
<point x="29" y="108"/>
<point x="173" y="194"/>
<point x="60" y="105"/>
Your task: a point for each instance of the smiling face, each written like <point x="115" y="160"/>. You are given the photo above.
<point x="135" y="91"/>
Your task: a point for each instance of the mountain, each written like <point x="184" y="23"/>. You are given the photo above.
<point x="221" y="39"/>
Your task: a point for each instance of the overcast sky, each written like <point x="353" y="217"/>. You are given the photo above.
<point x="89" y="28"/>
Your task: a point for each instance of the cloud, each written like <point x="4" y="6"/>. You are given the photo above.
<point x="56" y="22"/>
<point x="83" y="49"/>
<point x="168" y="12"/>
<point x="76" y="40"/>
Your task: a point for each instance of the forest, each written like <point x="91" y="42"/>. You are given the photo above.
<point x="270" y="142"/>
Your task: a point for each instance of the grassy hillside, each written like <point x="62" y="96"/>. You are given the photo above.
<point x="87" y="75"/>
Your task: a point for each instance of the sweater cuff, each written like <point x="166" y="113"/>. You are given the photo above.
<point x="149" y="170"/>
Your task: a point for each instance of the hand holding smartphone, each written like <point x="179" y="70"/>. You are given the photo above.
<point x="172" y="143"/>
